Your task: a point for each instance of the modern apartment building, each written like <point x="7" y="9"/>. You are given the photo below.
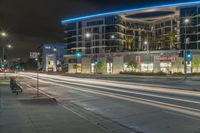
<point x="152" y="37"/>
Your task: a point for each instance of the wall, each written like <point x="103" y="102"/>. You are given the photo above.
<point x="118" y="63"/>
<point x="86" y="65"/>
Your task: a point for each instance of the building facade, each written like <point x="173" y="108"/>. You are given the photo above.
<point x="52" y="56"/>
<point x="152" y="37"/>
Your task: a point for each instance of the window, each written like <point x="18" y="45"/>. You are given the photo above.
<point x="147" y="67"/>
<point x="190" y="11"/>
<point x="168" y="23"/>
<point x="71" y="26"/>
<point x="96" y="30"/>
<point x="93" y="23"/>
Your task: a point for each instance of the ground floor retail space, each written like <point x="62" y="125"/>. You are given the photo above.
<point x="154" y="62"/>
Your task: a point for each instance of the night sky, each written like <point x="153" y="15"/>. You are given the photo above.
<point x="30" y="23"/>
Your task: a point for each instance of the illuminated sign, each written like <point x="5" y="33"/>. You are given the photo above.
<point x="138" y="59"/>
<point x="164" y="58"/>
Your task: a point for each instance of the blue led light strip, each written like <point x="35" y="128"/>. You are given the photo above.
<point x="125" y="11"/>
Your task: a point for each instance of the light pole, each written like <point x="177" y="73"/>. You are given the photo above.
<point x="3" y="35"/>
<point x="8" y="46"/>
<point x="37" y="76"/>
<point x="89" y="36"/>
<point x="55" y="50"/>
<point x="186" y="21"/>
<point x="147" y="45"/>
<point x="112" y="37"/>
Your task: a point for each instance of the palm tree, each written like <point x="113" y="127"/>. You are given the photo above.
<point x="158" y="40"/>
<point x="130" y="42"/>
<point x="170" y="37"/>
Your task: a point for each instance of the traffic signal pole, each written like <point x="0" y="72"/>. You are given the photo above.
<point x="185" y="64"/>
<point x="185" y="55"/>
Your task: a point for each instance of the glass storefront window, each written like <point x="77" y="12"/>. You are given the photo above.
<point x="147" y="67"/>
<point x="109" y="68"/>
<point x="78" y="68"/>
<point x="92" y="68"/>
<point x="165" y="67"/>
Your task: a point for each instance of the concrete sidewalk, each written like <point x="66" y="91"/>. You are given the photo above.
<point x="27" y="113"/>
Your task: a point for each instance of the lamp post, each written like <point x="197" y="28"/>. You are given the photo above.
<point x="147" y="45"/>
<point x="8" y="46"/>
<point x="3" y="35"/>
<point x="89" y="36"/>
<point x="55" y="50"/>
<point x="111" y="37"/>
<point x="186" y="21"/>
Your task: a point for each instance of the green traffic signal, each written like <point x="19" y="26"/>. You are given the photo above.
<point x="188" y="56"/>
<point x="78" y="54"/>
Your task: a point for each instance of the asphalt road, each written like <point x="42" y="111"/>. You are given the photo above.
<point x="140" y="107"/>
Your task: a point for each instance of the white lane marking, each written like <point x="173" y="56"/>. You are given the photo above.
<point x="126" y="91"/>
<point x="174" y="113"/>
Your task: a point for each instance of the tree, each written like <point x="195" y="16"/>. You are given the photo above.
<point x="132" y="64"/>
<point x="171" y="38"/>
<point x="101" y="65"/>
<point x="158" y="40"/>
<point x="196" y="62"/>
<point x="130" y="41"/>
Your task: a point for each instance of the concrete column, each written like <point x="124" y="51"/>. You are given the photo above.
<point x="118" y="63"/>
<point x="86" y="65"/>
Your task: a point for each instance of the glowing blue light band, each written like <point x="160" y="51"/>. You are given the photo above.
<point x="125" y="11"/>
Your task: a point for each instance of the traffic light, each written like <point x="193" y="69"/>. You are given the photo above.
<point x="78" y="54"/>
<point x="95" y="61"/>
<point x="188" y="56"/>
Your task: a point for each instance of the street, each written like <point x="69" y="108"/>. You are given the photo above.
<point x="148" y="108"/>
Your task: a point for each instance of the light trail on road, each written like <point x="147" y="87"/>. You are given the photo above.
<point x="122" y="91"/>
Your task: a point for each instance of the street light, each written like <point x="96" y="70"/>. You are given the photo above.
<point x="3" y="34"/>
<point x="145" y="42"/>
<point x="9" y="46"/>
<point x="147" y="45"/>
<point x="112" y="37"/>
<point x="110" y="42"/>
<point x="87" y="35"/>
<point x="3" y="51"/>
<point x="186" y="21"/>
<point x="54" y="49"/>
